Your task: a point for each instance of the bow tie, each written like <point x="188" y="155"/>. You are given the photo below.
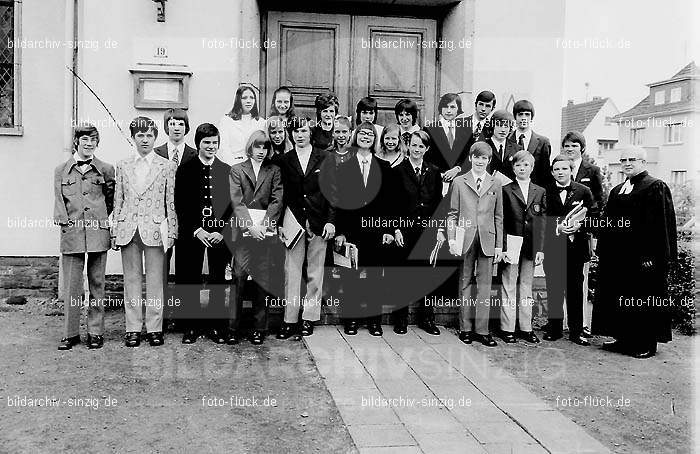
<point x="564" y="188"/>
<point x="82" y="163"/>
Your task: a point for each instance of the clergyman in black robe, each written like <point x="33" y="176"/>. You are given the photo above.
<point x="637" y="243"/>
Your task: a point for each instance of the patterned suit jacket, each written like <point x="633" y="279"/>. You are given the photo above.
<point x="147" y="207"/>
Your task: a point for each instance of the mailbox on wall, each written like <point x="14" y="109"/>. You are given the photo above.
<point x="161" y="86"/>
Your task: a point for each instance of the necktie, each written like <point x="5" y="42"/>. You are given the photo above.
<point x="365" y="174"/>
<point x="478" y="129"/>
<point x="500" y="152"/>
<point x="478" y="184"/>
<point x="417" y="170"/>
<point x="83" y="163"/>
<point x="176" y="159"/>
<point x="450" y="135"/>
<point x="521" y="141"/>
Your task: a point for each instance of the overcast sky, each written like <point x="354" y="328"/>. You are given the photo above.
<point x="658" y="35"/>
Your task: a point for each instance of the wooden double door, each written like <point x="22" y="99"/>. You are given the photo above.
<point x="387" y="58"/>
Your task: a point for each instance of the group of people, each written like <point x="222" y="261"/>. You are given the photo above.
<point x="430" y="214"/>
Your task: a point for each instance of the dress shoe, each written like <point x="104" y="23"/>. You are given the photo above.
<point x="615" y="346"/>
<point x="486" y="340"/>
<point x="644" y="354"/>
<point x="530" y="336"/>
<point x="307" y="328"/>
<point x="95" y="341"/>
<point x="155" y="339"/>
<point x="256" y="338"/>
<point x="552" y="336"/>
<point x="375" y="329"/>
<point x="217" y="336"/>
<point x="508" y="337"/>
<point x="68" y="342"/>
<point x="577" y="339"/>
<point x="350" y="328"/>
<point x="586" y="333"/>
<point x="465" y="336"/>
<point x="190" y="337"/>
<point x="430" y="328"/>
<point x="286" y="331"/>
<point x="132" y="339"/>
<point x="232" y="338"/>
<point x="401" y="328"/>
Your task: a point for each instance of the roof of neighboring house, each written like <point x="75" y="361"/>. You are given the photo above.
<point x="577" y="117"/>
<point x="646" y="107"/>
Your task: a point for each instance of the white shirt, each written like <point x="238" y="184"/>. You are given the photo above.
<point x="626" y="187"/>
<point x="526" y="139"/>
<point x="524" y="187"/>
<point x="143" y="166"/>
<point x="256" y="167"/>
<point x="205" y="162"/>
<point x="500" y="147"/>
<point x="562" y="194"/>
<point x="360" y="159"/>
<point x="481" y="177"/>
<point x="477" y="123"/>
<point x="172" y="149"/>
<point x="577" y="165"/>
<point x="234" y="135"/>
<point x="303" y="154"/>
<point x="446" y="127"/>
<point x="83" y="168"/>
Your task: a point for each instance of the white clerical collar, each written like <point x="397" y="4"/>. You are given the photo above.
<point x="205" y="162"/>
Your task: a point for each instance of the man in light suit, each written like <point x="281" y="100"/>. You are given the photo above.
<point x="203" y="207"/>
<point x="177" y="125"/>
<point x="84" y="198"/>
<point x="527" y="139"/>
<point x="476" y="205"/>
<point x="144" y="199"/>
<point x="588" y="174"/>
<point x="255" y="184"/>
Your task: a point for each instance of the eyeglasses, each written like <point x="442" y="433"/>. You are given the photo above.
<point x="624" y="160"/>
<point x="365" y="133"/>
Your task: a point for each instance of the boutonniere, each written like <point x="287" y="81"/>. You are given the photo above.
<point x="536" y="207"/>
<point x="510" y="158"/>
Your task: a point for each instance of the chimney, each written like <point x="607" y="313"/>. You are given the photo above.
<point x="570" y="102"/>
<point x="596" y="98"/>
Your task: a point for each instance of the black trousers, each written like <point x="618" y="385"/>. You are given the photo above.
<point x="564" y="279"/>
<point x="188" y="283"/>
<point x="362" y="297"/>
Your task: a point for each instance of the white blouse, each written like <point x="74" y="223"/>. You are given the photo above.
<point x="235" y="135"/>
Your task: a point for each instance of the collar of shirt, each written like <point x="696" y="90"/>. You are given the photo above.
<point x="304" y="151"/>
<point x="559" y="185"/>
<point x="577" y="165"/>
<point x="81" y="169"/>
<point x="524" y="186"/>
<point x="528" y="135"/>
<point x="149" y="158"/>
<point x="171" y="150"/>
<point x="446" y="124"/>
<point x="499" y="144"/>
<point x="362" y="158"/>
<point x="208" y="164"/>
<point x="482" y="176"/>
<point x="256" y="167"/>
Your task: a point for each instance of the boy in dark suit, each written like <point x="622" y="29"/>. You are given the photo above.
<point x="203" y="207"/>
<point x="302" y="169"/>
<point x="364" y="182"/>
<point x="502" y="149"/>
<point x="574" y="145"/>
<point x="524" y="206"/>
<point x="450" y="138"/>
<point x="177" y="125"/>
<point x="536" y="144"/>
<point x="566" y="250"/>
<point x="255" y="184"/>
<point x="84" y="198"/>
<point x="483" y="106"/>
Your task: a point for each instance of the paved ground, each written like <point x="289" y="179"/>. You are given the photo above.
<point x="418" y="393"/>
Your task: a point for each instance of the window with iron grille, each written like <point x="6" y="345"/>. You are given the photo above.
<point x="9" y="68"/>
